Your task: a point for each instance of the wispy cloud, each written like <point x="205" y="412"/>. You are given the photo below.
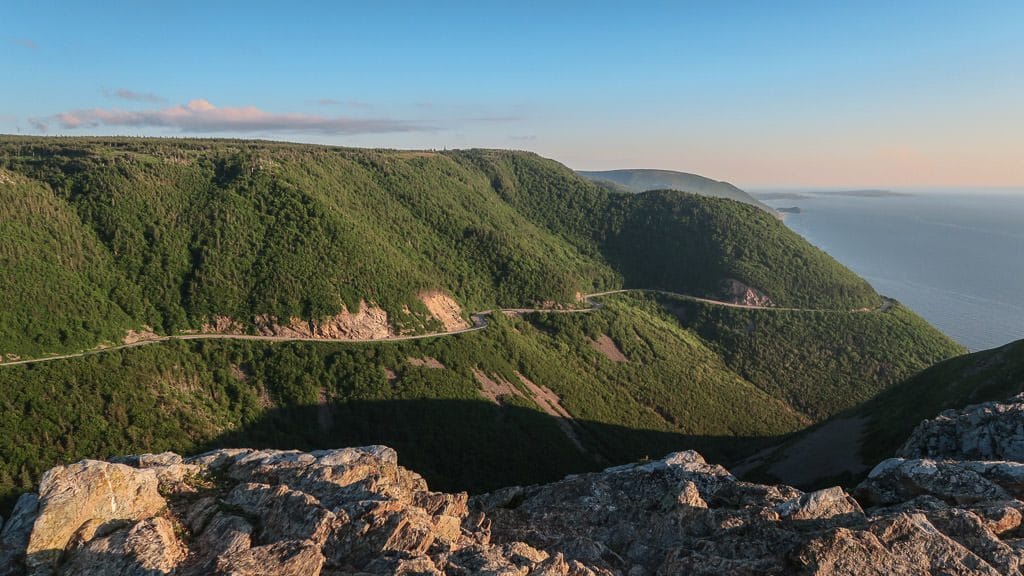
<point x="133" y="96"/>
<point x="25" y="43"/>
<point x="200" y="116"/>
<point x="333" y="102"/>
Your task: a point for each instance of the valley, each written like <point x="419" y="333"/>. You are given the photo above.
<point x="709" y="325"/>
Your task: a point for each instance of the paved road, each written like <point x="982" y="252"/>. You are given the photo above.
<point x="479" y="323"/>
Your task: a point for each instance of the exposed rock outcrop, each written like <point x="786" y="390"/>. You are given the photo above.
<point x="737" y="292"/>
<point x="367" y="323"/>
<point x="445" y="310"/>
<point x="989" y="431"/>
<point x="356" y="511"/>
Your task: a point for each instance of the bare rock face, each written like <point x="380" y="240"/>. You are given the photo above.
<point x="737" y="292"/>
<point x="989" y="431"/>
<point x="89" y="493"/>
<point x="356" y="511"/>
<point x="15" y="533"/>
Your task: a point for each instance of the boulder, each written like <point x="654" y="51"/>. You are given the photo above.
<point x="988" y="431"/>
<point x="89" y="491"/>
<point x="897" y="480"/>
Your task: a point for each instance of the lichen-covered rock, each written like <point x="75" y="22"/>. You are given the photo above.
<point x="356" y="511"/>
<point x="897" y="480"/>
<point x="820" y="505"/>
<point x="988" y="431"/>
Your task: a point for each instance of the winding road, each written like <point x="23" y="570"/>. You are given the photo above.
<point x="479" y="323"/>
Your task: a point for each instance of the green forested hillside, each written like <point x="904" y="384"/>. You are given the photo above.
<point x="100" y="236"/>
<point x="59" y="285"/>
<point x="423" y="397"/>
<point x="184" y="230"/>
<point x="821" y="363"/>
<point x="675" y="240"/>
<point x="633" y="379"/>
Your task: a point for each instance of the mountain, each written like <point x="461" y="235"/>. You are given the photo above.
<point x="247" y="278"/>
<point x="642" y="180"/>
<point x="177" y="234"/>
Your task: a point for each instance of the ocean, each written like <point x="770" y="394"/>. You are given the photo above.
<point x="954" y="257"/>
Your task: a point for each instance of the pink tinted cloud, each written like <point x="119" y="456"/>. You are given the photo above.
<point x="133" y="95"/>
<point x="25" y="43"/>
<point x="199" y="116"/>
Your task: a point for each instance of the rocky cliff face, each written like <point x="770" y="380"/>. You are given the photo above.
<point x="356" y="511"/>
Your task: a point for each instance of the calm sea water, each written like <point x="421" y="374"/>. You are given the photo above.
<point x="956" y="258"/>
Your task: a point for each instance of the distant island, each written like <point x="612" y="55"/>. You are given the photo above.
<point x="805" y="194"/>
<point x="790" y="210"/>
<point x="865" y="193"/>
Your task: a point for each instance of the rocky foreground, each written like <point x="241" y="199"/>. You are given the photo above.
<point x="356" y="511"/>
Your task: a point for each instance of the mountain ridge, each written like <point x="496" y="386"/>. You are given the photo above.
<point x="646" y="179"/>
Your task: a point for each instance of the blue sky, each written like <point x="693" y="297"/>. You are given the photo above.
<point x="758" y="93"/>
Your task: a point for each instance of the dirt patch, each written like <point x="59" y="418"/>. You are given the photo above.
<point x="240" y="373"/>
<point x="324" y="413"/>
<point x="391" y="375"/>
<point x="132" y="336"/>
<point x="547" y="400"/>
<point x="551" y="404"/>
<point x="368" y="323"/>
<point x="605" y="345"/>
<point x="445" y="309"/>
<point x="495" y="389"/>
<point x="831" y="450"/>
<point x="425" y="362"/>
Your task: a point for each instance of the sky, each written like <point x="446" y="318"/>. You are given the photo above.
<point x="762" y="94"/>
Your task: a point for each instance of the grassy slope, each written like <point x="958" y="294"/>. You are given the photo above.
<point x="889" y="417"/>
